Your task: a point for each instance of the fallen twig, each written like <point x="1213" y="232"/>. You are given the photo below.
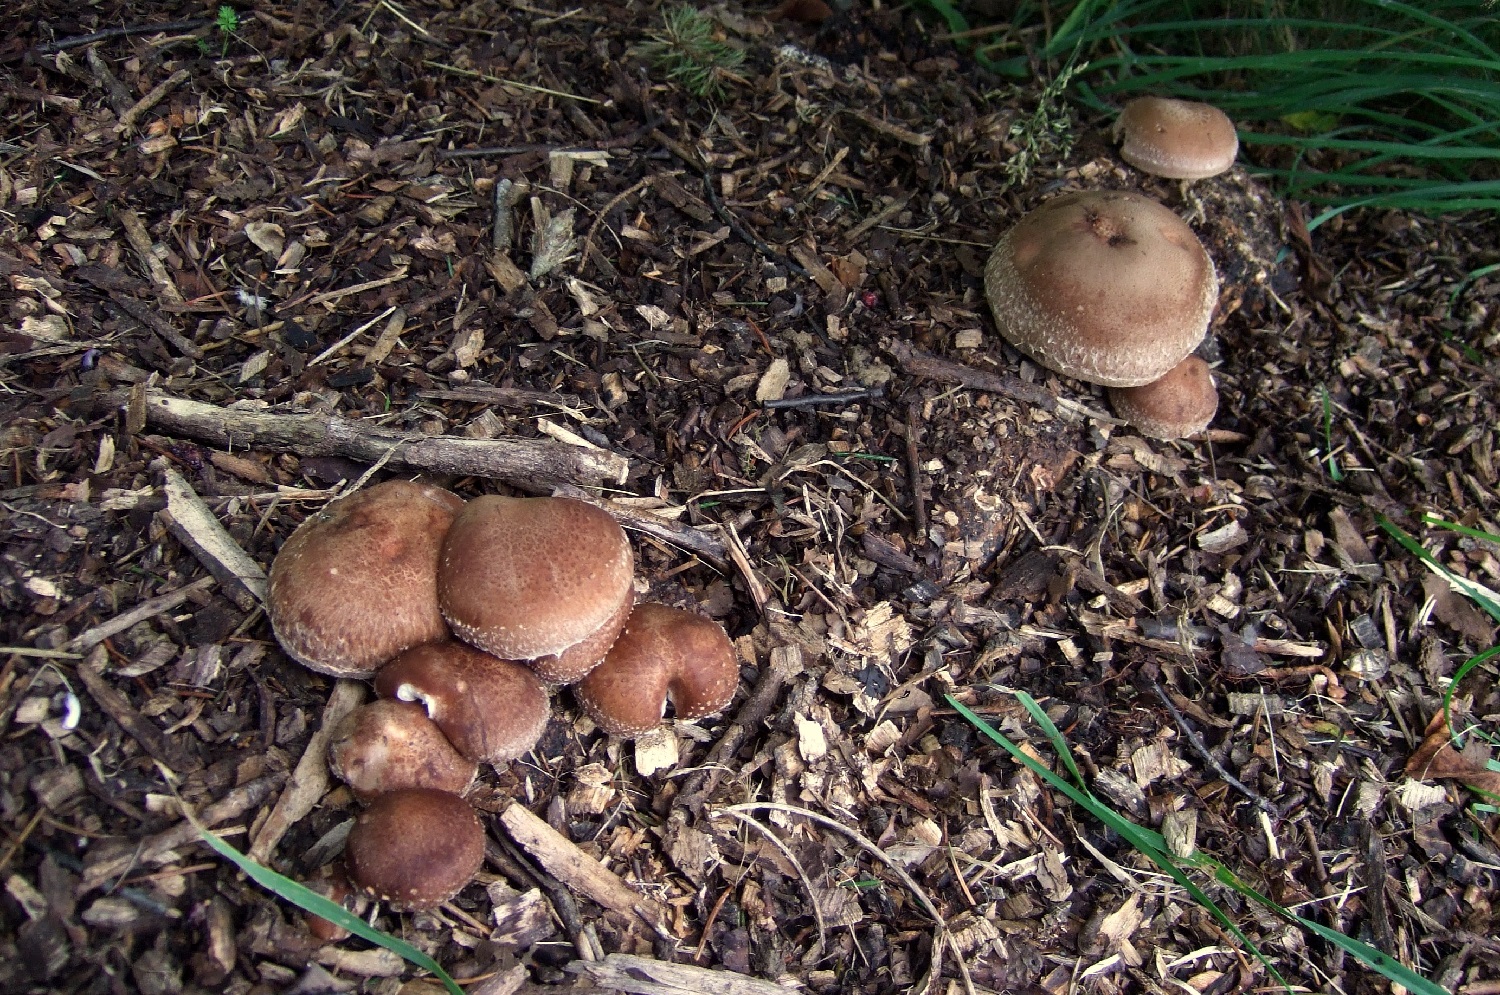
<point x="78" y="41"/>
<point x="922" y="364"/>
<point x="525" y="462"/>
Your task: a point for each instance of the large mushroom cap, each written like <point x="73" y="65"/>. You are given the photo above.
<point x="537" y="578"/>
<point x="357" y="583"/>
<point x="492" y="710"/>
<point x="662" y="653"/>
<point x="415" y="848"/>
<point x="1179" y="139"/>
<point x="1106" y="286"/>
<point x="1180" y="404"/>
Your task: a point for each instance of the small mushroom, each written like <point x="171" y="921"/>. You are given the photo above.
<point x="1180" y="404"/>
<point x="1179" y="139"/>
<point x="1106" y="286"/>
<point x="388" y="745"/>
<point x="546" y="581"/>
<point x="357" y="583"/>
<point x="491" y="710"/>
<point x="662" y="653"/>
<point x="415" y="848"/>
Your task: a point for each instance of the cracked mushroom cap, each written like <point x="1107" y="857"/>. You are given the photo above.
<point x="415" y="848"/>
<point x="491" y="710"/>
<point x="388" y="745"/>
<point x="546" y="581"/>
<point x="1180" y="404"/>
<point x="357" y="583"/>
<point x="1105" y="286"/>
<point x="663" y="653"/>
<point x="1178" y="139"/>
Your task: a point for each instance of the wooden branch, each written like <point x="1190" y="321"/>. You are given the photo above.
<point x="563" y="860"/>
<point x="923" y="364"/>
<point x="519" y="461"/>
<point x="629" y="973"/>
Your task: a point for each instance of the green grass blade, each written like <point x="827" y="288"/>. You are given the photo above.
<point x="1149" y="843"/>
<point x="310" y="901"/>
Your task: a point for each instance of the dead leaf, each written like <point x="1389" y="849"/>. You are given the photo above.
<point x="1436" y="757"/>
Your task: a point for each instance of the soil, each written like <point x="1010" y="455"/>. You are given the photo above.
<point x="494" y="246"/>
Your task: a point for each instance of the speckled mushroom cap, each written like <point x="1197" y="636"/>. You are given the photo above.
<point x="1106" y="286"/>
<point x="388" y="745"/>
<point x="491" y="710"/>
<point x="662" y="653"/>
<point x="415" y="848"/>
<point x="546" y="581"/>
<point x="1178" y="139"/>
<point x="357" y="583"/>
<point x="1180" y="404"/>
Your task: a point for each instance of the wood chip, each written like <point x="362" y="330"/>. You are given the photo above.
<point x="196" y="527"/>
<point x="561" y="858"/>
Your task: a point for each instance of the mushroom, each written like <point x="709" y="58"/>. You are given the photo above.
<point x="1180" y="404"/>
<point x="491" y="710"/>
<point x="388" y="745"/>
<point x="415" y="848"/>
<point x="357" y="583"/>
<point x="546" y="581"/>
<point x="1106" y="286"/>
<point x="662" y="653"/>
<point x="1179" y="139"/>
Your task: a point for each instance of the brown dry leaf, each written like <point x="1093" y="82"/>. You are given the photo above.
<point x="1436" y="757"/>
<point x="1457" y="612"/>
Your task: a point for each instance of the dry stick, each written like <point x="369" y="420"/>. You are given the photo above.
<point x="136" y="726"/>
<point x="524" y="462"/>
<point x="514" y="864"/>
<point x="158" y="92"/>
<point x="914" y="474"/>
<point x="562" y="858"/>
<point x="149" y="608"/>
<point x="791" y="858"/>
<point x="941" y="938"/>
<point x="48" y="47"/>
<point x="1261" y="802"/>
<point x="310" y="778"/>
<point x="922" y="364"/>
<point x="621" y="141"/>
<point x="820" y="400"/>
<point x="195" y="526"/>
<point x="783" y="662"/>
<point x="614" y="202"/>
<point x="694" y="540"/>
<point x="630" y="973"/>
<point x="163" y="846"/>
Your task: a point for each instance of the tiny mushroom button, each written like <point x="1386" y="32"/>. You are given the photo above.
<point x="1180" y="404"/>
<point x="1178" y="139"/>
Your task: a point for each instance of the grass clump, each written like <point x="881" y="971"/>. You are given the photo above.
<point x="1378" y="103"/>
<point x="1154" y="847"/>
<point x="687" y="50"/>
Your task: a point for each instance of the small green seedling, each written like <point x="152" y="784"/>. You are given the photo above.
<point x="685" y="50"/>
<point x="227" y="21"/>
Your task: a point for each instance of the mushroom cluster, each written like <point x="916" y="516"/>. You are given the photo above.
<point x="465" y="614"/>
<point x="1113" y="287"/>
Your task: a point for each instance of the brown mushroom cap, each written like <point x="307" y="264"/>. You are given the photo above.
<point x="357" y="583"/>
<point x="415" y="848"/>
<point x="527" y="578"/>
<point x="491" y="710"/>
<point x="1106" y="286"/>
<point x="662" y="653"/>
<point x="388" y="745"/>
<point x="1179" y="139"/>
<point x="1180" y="404"/>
